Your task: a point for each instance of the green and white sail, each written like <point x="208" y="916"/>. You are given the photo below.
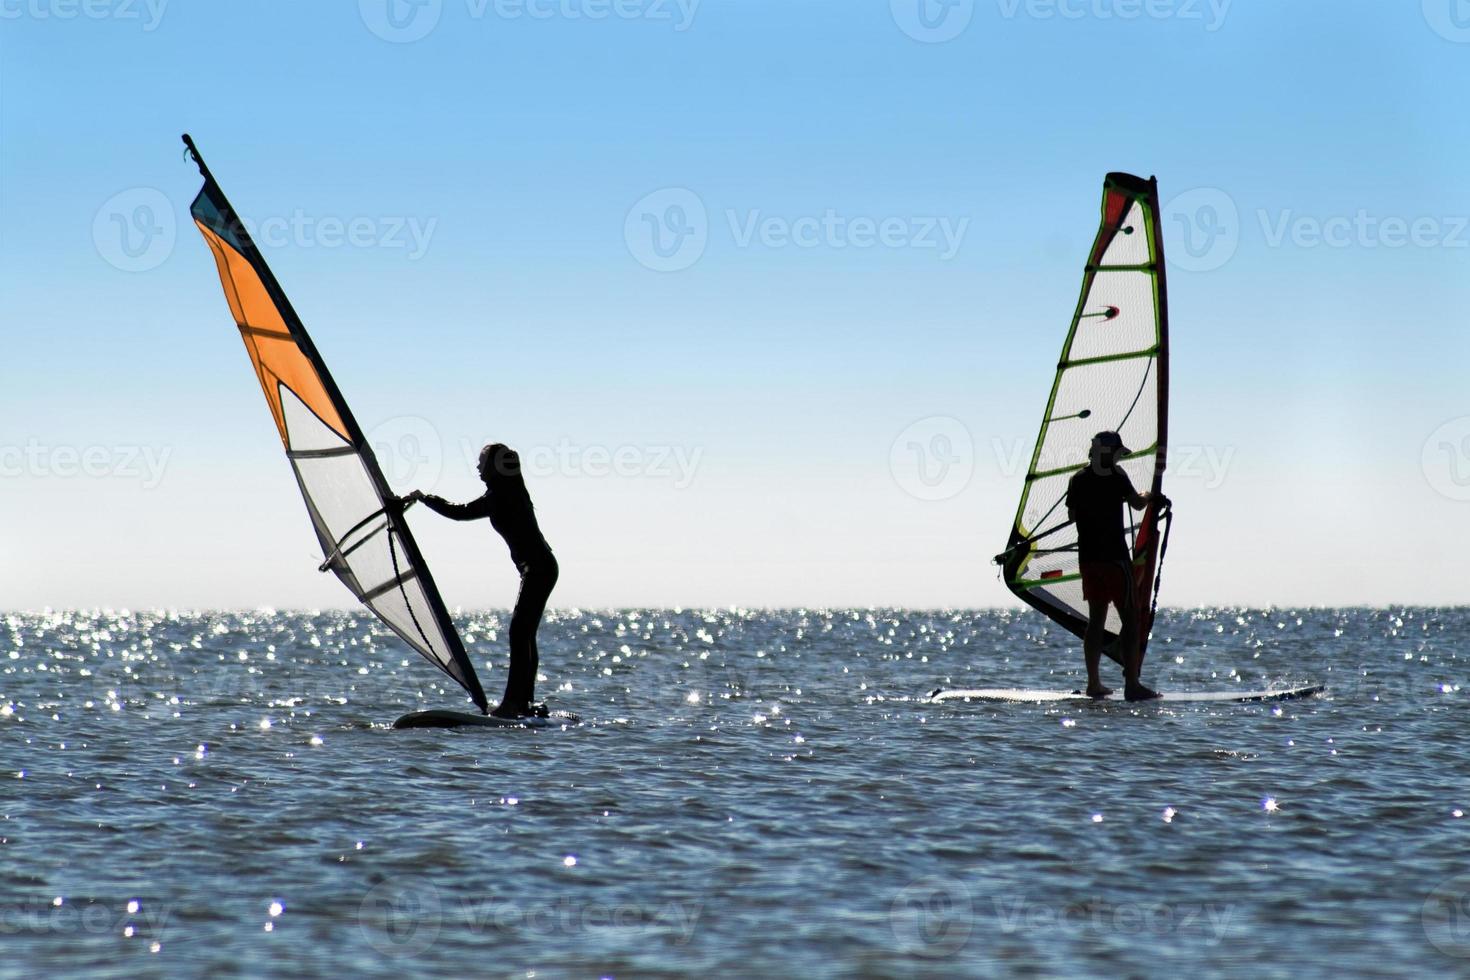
<point x="1113" y="375"/>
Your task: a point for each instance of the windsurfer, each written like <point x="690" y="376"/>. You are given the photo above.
<point x="1095" y="498"/>
<point x="507" y="504"/>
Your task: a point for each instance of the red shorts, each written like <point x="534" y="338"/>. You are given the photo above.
<point x="1105" y="581"/>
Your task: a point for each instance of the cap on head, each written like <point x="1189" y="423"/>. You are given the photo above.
<point x="1111" y="442"/>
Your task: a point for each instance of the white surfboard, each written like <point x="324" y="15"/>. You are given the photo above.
<point x="1172" y="697"/>
<point x="440" y="718"/>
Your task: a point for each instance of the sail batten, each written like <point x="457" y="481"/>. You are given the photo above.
<point x="1112" y="375"/>
<point x="367" y="544"/>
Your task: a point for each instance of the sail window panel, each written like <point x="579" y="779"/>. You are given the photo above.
<point x="305" y="431"/>
<point x="406" y="609"/>
<point x="1121" y="396"/>
<point x="1130" y="245"/>
<point x="422" y="614"/>
<point x="1045" y="508"/>
<point x="1140" y="471"/>
<point x="1133" y="328"/>
<point x="373" y="564"/>
<point x="1055" y="554"/>
<point x="1067" y="598"/>
<point x="340" y="490"/>
<point x="392" y="610"/>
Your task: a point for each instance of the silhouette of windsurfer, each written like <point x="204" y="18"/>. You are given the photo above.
<point x="1095" y="498"/>
<point x="507" y="504"/>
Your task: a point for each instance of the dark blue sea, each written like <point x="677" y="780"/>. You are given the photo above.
<point x="752" y="794"/>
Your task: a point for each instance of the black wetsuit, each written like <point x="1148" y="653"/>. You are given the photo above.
<point x="511" y="514"/>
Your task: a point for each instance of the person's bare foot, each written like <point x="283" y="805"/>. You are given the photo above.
<point x="1134" y="691"/>
<point x="1098" y="691"/>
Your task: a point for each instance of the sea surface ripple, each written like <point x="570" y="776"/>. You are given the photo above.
<point x="752" y="793"/>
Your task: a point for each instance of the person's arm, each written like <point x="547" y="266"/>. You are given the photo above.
<point x="474" y="510"/>
<point x="1138" y="501"/>
<point x="1134" y="499"/>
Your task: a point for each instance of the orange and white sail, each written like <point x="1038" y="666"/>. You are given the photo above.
<point x="366" y="543"/>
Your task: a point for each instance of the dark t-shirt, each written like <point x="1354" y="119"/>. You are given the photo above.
<point x="1097" y="503"/>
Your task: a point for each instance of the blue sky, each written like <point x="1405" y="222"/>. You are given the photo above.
<point x="1311" y="157"/>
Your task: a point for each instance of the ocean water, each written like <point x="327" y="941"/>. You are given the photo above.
<point x="753" y="793"/>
